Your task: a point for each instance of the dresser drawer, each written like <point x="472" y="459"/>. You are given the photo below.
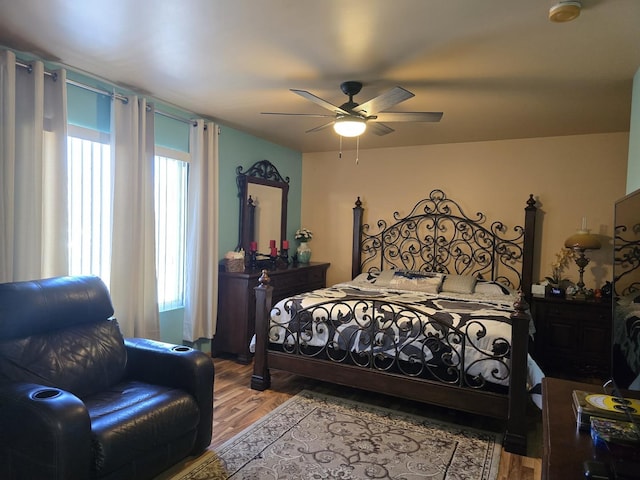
<point x="289" y="282"/>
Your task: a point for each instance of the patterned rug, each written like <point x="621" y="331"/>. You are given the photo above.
<point x="316" y="436"/>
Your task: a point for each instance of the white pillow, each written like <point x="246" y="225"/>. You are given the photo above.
<point x="459" y="284"/>
<point x="380" y="279"/>
<point x="492" y="288"/>
<point x="417" y="281"/>
<point x="629" y="299"/>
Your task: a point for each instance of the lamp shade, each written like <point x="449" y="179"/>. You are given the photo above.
<point x="583" y="240"/>
<point x="349" y="126"/>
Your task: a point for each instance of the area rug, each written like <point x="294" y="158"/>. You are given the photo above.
<point x="316" y="436"/>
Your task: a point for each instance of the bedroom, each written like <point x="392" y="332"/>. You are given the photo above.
<point x="575" y="170"/>
<point x="573" y="174"/>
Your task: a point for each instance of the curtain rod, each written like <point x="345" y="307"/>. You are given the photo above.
<point x="100" y="91"/>
<point x="190" y="121"/>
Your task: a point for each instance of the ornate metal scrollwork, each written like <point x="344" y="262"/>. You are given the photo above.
<point x="438" y="236"/>
<point x="626" y="259"/>
<point x="391" y="337"/>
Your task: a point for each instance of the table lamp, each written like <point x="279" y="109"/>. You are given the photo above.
<point x="580" y="242"/>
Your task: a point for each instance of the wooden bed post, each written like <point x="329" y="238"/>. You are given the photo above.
<point x="261" y="378"/>
<point x="515" y="438"/>
<point x="357" y="246"/>
<point x="528" y="250"/>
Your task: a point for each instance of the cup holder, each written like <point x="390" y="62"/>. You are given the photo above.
<point x="46" y="394"/>
<point x="181" y="348"/>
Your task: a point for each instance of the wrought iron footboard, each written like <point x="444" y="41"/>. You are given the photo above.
<point x="391" y="337"/>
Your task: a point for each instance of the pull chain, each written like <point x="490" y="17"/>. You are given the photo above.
<point x="357" y="149"/>
<point x="340" y="152"/>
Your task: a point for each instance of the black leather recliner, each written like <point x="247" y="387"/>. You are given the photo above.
<point x="77" y="401"/>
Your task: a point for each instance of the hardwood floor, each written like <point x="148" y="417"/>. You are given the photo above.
<point x="236" y="406"/>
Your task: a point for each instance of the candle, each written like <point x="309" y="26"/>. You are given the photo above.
<point x="584" y="223"/>
<point x="274" y="252"/>
<point x="254" y="246"/>
<point x="272" y="243"/>
<point x="285" y="244"/>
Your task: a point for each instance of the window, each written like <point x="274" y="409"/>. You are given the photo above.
<point x="89" y="164"/>
<point x="171" y="172"/>
<point x="89" y="185"/>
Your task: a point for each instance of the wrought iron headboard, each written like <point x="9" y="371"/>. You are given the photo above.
<point x="626" y="259"/>
<point x="438" y="236"/>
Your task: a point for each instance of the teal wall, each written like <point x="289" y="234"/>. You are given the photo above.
<point x="237" y="148"/>
<point x="633" y="164"/>
<point x="171" y="326"/>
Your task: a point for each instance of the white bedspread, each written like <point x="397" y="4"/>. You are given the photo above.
<point x="483" y="320"/>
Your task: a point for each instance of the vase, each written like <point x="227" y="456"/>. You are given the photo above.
<point x="304" y="253"/>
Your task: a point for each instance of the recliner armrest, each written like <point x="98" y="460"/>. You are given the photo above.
<point x="45" y="432"/>
<point x="176" y="366"/>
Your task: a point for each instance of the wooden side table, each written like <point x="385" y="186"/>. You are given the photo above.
<point x="237" y="303"/>
<point x="565" y="448"/>
<point x="573" y="337"/>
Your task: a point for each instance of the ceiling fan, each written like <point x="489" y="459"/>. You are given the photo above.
<point x="351" y="119"/>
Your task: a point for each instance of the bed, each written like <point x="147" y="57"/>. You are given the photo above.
<point x="436" y="312"/>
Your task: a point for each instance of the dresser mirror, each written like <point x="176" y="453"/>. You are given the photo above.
<point x="263" y="196"/>
<point x="626" y="292"/>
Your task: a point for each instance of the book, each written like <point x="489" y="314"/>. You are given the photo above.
<point x="589" y="404"/>
<point x="614" y="431"/>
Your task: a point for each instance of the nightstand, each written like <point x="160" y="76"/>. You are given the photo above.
<point x="573" y="337"/>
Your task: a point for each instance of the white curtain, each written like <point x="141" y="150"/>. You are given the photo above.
<point x="33" y="165"/>
<point x="133" y="266"/>
<point x="201" y="303"/>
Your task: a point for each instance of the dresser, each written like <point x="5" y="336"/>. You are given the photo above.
<point x="237" y="303"/>
<point x="573" y="337"/>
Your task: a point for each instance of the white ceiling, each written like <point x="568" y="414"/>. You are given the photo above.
<point x="498" y="69"/>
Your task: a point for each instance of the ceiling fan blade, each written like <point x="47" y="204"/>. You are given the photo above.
<point x="321" y="115"/>
<point x="321" y="127"/>
<point x="319" y="101"/>
<point x="379" y="128"/>
<point x="382" y="102"/>
<point x="409" y="116"/>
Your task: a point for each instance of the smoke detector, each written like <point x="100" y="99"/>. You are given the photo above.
<point x="565" y="11"/>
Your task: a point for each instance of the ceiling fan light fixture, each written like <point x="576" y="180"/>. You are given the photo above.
<point x="565" y="11"/>
<point x="349" y="126"/>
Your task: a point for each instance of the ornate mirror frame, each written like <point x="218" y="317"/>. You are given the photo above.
<point x="260" y="174"/>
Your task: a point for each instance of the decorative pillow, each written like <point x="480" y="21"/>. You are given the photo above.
<point x="491" y="288"/>
<point x="627" y="300"/>
<point x="459" y="284"/>
<point x="380" y="279"/>
<point x="417" y="281"/>
<point x="366" y="277"/>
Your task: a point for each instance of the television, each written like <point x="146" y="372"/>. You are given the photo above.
<point x="625" y="334"/>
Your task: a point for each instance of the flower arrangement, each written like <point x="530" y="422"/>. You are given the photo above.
<point x="563" y="257"/>
<point x="303" y="235"/>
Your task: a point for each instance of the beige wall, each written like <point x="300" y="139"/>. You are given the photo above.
<point x="571" y="177"/>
